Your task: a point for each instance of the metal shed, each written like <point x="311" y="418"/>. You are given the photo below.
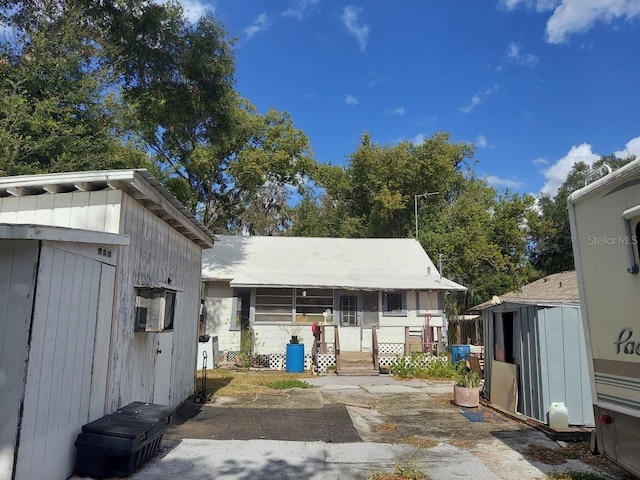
<point x="99" y="304"/>
<point x="535" y="351"/>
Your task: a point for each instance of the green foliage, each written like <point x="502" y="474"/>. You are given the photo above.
<point x="419" y="365"/>
<point x="465" y="377"/>
<point x="401" y="473"/>
<point x="54" y="114"/>
<point x="551" y="235"/>
<point x="287" y="384"/>
<point x="576" y="475"/>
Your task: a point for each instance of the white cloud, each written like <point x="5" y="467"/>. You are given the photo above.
<point x="578" y="16"/>
<point x="517" y="57"/>
<point x="418" y="139"/>
<point x="351" y="21"/>
<point x="557" y="173"/>
<point x="477" y="99"/>
<point x="373" y="79"/>
<point x="351" y="100"/>
<point x="631" y="148"/>
<point x="260" y="23"/>
<point x="540" y="161"/>
<point x="195" y="9"/>
<point x="301" y="8"/>
<point x="503" y="182"/>
<point x="395" y="111"/>
<point x="481" y="141"/>
<point x="539" y="5"/>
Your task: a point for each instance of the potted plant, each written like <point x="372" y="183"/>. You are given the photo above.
<point x="294" y="331"/>
<point x="466" y="391"/>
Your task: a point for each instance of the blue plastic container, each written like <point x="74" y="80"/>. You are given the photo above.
<point x="460" y="353"/>
<point x="295" y="357"/>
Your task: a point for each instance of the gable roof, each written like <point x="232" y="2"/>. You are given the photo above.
<point x="363" y="263"/>
<point x="138" y="183"/>
<point x="556" y="289"/>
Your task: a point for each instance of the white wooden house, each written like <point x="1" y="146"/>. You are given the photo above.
<point x="99" y="305"/>
<point x="279" y="286"/>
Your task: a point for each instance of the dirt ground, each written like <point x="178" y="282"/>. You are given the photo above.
<point x="423" y="417"/>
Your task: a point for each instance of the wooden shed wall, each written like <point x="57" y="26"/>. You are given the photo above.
<point x="18" y="266"/>
<point x="99" y="211"/>
<point x="157" y="253"/>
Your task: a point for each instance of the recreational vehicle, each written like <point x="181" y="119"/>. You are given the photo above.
<point x="605" y="227"/>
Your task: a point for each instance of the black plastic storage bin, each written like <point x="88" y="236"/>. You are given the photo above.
<point x="118" y="444"/>
<point x="157" y="413"/>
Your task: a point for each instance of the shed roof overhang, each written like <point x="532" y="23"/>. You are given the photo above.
<point x="138" y="183"/>
<point x="14" y="231"/>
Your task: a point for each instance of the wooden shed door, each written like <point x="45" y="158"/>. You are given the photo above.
<point x="58" y="389"/>
<point x="162" y="383"/>
<point x="18" y="262"/>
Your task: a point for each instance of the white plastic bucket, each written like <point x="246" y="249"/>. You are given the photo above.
<point x="558" y="416"/>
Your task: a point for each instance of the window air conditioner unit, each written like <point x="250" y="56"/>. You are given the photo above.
<point x="155" y="308"/>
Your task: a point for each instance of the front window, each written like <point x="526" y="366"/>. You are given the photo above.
<point x="394" y="304"/>
<point x="274" y="305"/>
<point x="311" y="303"/>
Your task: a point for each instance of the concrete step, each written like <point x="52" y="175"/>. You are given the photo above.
<point x="351" y="368"/>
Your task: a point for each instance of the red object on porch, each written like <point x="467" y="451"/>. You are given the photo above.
<point x="315" y="329"/>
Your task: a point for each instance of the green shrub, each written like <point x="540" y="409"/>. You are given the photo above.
<point x="420" y="365"/>
<point x="286" y="384"/>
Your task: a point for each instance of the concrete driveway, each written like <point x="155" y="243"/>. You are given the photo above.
<point x="348" y="428"/>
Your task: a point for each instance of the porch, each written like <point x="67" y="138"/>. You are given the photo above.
<point x="326" y="351"/>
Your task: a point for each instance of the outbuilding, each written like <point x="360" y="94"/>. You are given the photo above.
<point x="535" y="351"/>
<point x="99" y="306"/>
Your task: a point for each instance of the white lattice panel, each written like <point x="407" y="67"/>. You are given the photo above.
<point x="278" y="361"/>
<point x="325" y="360"/>
<point x="392" y="348"/>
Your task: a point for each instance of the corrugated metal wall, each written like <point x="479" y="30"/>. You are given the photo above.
<point x="549" y="350"/>
<point x="565" y="374"/>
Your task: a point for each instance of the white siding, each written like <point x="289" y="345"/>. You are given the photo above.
<point x="157" y="253"/>
<point x="219" y="304"/>
<point x="98" y="210"/>
<point x="58" y="385"/>
<point x="18" y="261"/>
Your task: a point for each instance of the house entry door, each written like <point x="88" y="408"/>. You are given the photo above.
<point x="350" y="333"/>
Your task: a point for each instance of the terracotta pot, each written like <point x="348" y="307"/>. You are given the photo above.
<point x="465" y="396"/>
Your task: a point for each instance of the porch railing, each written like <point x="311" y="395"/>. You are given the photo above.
<point x="374" y="348"/>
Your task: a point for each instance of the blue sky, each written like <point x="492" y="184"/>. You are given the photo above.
<point x="535" y="84"/>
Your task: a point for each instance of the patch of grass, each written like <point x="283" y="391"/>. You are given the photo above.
<point x="421" y="442"/>
<point x="576" y="476"/>
<point x="401" y="473"/>
<point x="386" y="427"/>
<point x="552" y="456"/>
<point x="223" y="382"/>
<point x="288" y="383"/>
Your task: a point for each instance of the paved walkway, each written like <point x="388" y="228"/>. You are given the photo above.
<point x="275" y="436"/>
